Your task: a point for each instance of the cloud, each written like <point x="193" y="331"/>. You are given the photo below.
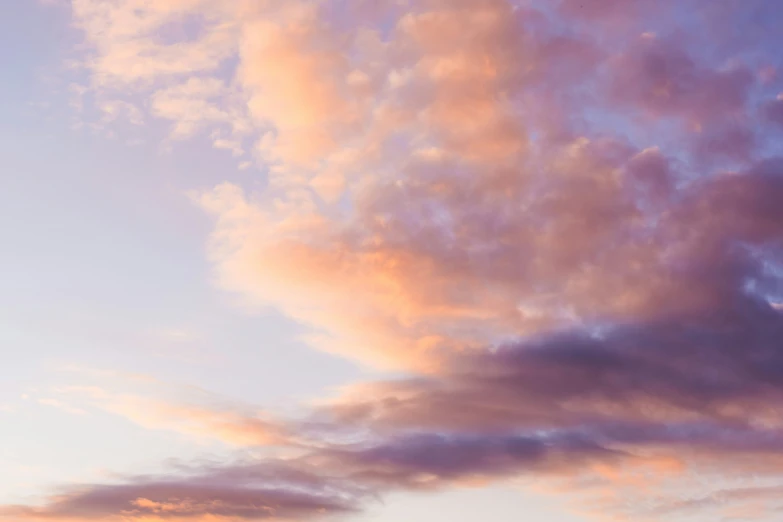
<point x="156" y="405"/>
<point x="668" y="397"/>
<point x="660" y="78"/>
<point x="563" y="226"/>
<point x="54" y="403"/>
<point x="718" y="372"/>
<point x="429" y="264"/>
<point x="127" y="47"/>
<point x="195" y="420"/>
<point x="161" y="500"/>
<point x="337" y="480"/>
<point x="773" y="111"/>
<point x="190" y="105"/>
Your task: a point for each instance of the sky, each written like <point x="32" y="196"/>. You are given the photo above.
<point x="383" y="260"/>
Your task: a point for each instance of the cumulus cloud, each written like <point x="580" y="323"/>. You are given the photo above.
<point x="563" y="222"/>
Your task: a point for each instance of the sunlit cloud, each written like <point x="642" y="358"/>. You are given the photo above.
<point x="561" y="224"/>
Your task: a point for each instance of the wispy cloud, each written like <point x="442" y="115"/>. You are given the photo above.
<point x="155" y="405"/>
<point x="60" y="405"/>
